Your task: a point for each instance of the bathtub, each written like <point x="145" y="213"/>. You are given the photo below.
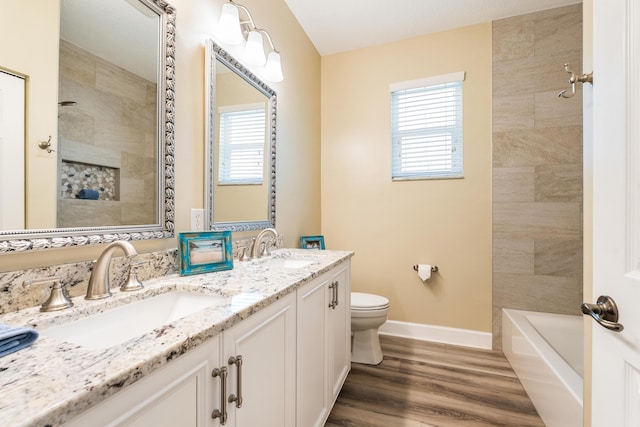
<point x="545" y="351"/>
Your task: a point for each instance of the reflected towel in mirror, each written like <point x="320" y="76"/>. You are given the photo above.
<point x="88" y="194"/>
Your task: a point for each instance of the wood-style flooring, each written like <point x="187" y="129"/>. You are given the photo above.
<point x="420" y="384"/>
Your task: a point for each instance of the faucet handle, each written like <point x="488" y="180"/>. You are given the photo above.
<point x="265" y="250"/>
<point x="58" y="299"/>
<point x="244" y="255"/>
<point x="133" y="283"/>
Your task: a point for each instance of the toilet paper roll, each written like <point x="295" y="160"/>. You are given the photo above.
<point x="424" y="271"/>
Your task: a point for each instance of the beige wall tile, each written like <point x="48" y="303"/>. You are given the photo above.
<point x="518" y="291"/>
<point x="537" y="293"/>
<point x="131" y="189"/>
<point x="75" y="125"/>
<point x="513" y="184"/>
<point x="513" y="256"/>
<point x="83" y="213"/>
<point x="116" y="81"/>
<point x="558" y="183"/>
<point x="553" y="111"/>
<point x="513" y="112"/>
<point x="536" y="220"/>
<point x="120" y="137"/>
<point x="533" y="74"/>
<point x="497" y="327"/>
<point x="86" y="153"/>
<point x="141" y="212"/>
<point x="76" y="65"/>
<point x="558" y="257"/>
<point x="537" y="147"/>
<point x="512" y="39"/>
<point x="559" y="30"/>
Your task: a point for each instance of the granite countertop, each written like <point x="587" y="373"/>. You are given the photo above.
<point x="53" y="381"/>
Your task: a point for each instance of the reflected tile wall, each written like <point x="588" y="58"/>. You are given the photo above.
<point x="113" y="125"/>
<point x="537" y="164"/>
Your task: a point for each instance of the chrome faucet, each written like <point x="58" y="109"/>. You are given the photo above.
<point x="255" y="252"/>
<point x="99" y="281"/>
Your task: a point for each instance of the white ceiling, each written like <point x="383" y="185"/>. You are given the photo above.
<point x="341" y="25"/>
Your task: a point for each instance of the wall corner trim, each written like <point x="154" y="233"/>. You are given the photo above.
<point x="440" y="334"/>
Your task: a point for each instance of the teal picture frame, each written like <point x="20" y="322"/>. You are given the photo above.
<point x="312" y="242"/>
<point x="205" y="252"/>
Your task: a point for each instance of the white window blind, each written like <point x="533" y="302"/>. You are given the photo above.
<point x="426" y="128"/>
<point x="242" y="141"/>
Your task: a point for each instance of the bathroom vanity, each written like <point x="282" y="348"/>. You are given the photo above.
<point x="269" y="348"/>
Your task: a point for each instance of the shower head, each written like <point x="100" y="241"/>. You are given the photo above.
<point x="67" y="103"/>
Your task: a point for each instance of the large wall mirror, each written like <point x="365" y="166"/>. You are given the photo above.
<point x="240" y="186"/>
<point x="107" y="172"/>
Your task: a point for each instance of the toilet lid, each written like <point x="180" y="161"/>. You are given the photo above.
<point x="362" y="301"/>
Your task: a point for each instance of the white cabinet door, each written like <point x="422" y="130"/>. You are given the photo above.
<point x="324" y="344"/>
<point x="339" y="332"/>
<point x="265" y="380"/>
<point x="313" y="354"/>
<point x="183" y="393"/>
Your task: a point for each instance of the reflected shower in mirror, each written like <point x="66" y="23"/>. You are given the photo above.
<point x="111" y="173"/>
<point x="107" y="117"/>
<point x="241" y="136"/>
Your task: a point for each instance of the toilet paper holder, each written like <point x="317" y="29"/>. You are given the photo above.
<point x="434" y="268"/>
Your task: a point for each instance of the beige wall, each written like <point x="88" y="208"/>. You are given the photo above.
<point x="393" y="225"/>
<point x="298" y="162"/>
<point x="35" y="23"/>
<point x="537" y="164"/>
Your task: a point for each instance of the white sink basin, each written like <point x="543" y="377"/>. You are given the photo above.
<point x="120" y="324"/>
<point x="288" y="263"/>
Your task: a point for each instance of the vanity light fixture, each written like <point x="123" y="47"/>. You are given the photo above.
<point x="233" y="30"/>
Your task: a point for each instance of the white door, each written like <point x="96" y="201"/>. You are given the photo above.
<point x="12" y="150"/>
<point x="616" y="209"/>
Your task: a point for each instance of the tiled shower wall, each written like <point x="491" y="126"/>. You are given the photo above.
<point x="113" y="125"/>
<point x="537" y="164"/>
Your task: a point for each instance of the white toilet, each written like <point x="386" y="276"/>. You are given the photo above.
<point x="368" y="313"/>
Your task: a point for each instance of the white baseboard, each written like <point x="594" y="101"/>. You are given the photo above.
<point x="441" y="334"/>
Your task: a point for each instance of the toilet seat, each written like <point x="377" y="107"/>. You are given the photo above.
<point x="367" y="302"/>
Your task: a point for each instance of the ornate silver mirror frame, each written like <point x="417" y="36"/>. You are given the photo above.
<point x="214" y="54"/>
<point x="25" y="240"/>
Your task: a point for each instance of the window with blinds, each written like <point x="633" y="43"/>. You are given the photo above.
<point x="242" y="142"/>
<point x="426" y="128"/>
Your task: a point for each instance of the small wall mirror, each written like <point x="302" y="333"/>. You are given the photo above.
<point x="109" y="172"/>
<point x="240" y="147"/>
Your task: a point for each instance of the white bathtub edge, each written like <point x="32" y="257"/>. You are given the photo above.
<point x="555" y="400"/>
<point x="440" y="334"/>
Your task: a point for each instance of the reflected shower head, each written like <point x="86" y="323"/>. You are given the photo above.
<point x="67" y="103"/>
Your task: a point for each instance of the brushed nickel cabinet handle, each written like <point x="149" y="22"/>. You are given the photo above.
<point x="222" y="412"/>
<point x="332" y="304"/>
<point x="335" y="289"/>
<point x="237" y="360"/>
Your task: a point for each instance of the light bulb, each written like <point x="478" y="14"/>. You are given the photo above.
<point x="273" y="69"/>
<point x="254" y="49"/>
<point x="229" y="25"/>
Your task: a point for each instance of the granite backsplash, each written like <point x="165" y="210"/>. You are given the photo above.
<point x="17" y="292"/>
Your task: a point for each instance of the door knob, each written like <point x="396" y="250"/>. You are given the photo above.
<point x="605" y="312"/>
